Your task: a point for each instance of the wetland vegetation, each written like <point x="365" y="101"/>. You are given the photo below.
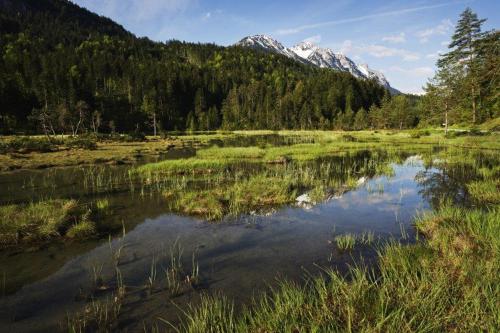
<point x="244" y="179"/>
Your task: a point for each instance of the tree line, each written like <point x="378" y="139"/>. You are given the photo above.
<point x="66" y="70"/>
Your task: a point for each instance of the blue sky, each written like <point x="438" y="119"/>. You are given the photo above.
<point x="400" y="38"/>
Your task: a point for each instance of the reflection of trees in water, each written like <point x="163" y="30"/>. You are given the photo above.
<point x="358" y="163"/>
<point x="446" y="182"/>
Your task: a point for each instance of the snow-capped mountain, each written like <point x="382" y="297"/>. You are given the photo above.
<point x="266" y="43"/>
<point x="310" y="53"/>
<point x="373" y="74"/>
<point x="326" y="58"/>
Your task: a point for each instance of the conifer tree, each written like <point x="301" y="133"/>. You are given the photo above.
<point x="464" y="52"/>
<point x="360" y="120"/>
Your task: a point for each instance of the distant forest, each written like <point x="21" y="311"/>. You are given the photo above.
<point x="64" y="69"/>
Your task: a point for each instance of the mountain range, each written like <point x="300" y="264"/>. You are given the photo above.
<point x="312" y="54"/>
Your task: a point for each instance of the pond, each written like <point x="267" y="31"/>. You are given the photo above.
<point x="240" y="256"/>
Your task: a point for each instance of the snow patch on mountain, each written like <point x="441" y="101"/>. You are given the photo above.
<point x="266" y="43"/>
<point x="304" y="49"/>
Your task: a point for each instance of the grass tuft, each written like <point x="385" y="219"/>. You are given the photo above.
<point x="345" y="242"/>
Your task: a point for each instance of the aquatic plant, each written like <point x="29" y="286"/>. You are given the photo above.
<point x="194" y="277"/>
<point x="173" y="282"/>
<point x="367" y="238"/>
<point x="174" y="272"/>
<point x="102" y="204"/>
<point x="98" y="315"/>
<point x="96" y="276"/>
<point x="345" y="242"/>
<point x="152" y="276"/>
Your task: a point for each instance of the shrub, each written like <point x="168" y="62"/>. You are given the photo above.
<point x="83" y="142"/>
<point x="477" y="132"/>
<point x="349" y="138"/>
<point x="138" y="136"/>
<point x="415" y="134"/>
<point x="27" y="145"/>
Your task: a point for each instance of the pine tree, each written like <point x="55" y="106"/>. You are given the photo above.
<point x="149" y="108"/>
<point x="488" y="73"/>
<point x="464" y="51"/>
<point x="441" y="94"/>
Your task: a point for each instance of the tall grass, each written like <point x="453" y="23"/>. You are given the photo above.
<point x="485" y="192"/>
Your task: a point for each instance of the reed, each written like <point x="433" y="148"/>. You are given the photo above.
<point x="150" y="283"/>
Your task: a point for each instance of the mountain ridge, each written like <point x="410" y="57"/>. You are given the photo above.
<point x="312" y="54"/>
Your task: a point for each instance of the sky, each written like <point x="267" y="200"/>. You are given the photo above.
<point x="402" y="39"/>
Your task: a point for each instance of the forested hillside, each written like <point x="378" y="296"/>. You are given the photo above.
<point x="64" y="69"/>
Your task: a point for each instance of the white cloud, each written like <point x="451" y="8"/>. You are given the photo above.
<point x="445" y="43"/>
<point x="378" y="51"/>
<point x="298" y="29"/>
<point x="316" y="39"/>
<point x="415" y="72"/>
<point x="441" y="29"/>
<point x="399" y="38"/>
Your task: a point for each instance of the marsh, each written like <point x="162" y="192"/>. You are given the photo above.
<point x="218" y="221"/>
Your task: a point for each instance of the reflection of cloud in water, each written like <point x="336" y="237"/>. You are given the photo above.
<point x="396" y="194"/>
<point x="415" y="161"/>
<point x="358" y="198"/>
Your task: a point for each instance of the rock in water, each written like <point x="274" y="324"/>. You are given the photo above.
<point x="361" y="181"/>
